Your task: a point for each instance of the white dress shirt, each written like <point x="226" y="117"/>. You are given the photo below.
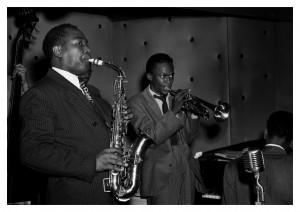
<point x="159" y="102"/>
<point x="72" y="78"/>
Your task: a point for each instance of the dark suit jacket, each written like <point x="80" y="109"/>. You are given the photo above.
<point x="61" y="135"/>
<point x="157" y="166"/>
<point x="276" y="179"/>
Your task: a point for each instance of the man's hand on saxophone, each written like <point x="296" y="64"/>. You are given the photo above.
<point x="110" y="159"/>
<point x="127" y="113"/>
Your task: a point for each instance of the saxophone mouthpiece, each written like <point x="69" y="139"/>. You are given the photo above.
<point x="96" y="61"/>
<point x="111" y="65"/>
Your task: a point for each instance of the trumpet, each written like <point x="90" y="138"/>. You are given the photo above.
<point x="200" y="107"/>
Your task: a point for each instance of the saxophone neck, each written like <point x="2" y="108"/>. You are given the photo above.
<point x="111" y="65"/>
<point x="117" y="68"/>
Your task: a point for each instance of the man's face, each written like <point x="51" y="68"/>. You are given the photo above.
<point x="161" y="77"/>
<point x="75" y="52"/>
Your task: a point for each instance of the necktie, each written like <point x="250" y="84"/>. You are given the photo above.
<point x="89" y="98"/>
<point x="165" y="109"/>
<point x="164" y="101"/>
<point x="85" y="90"/>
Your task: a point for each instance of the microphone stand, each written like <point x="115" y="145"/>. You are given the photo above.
<point x="254" y="163"/>
<point x="260" y="194"/>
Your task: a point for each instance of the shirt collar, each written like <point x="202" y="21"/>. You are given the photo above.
<point x="153" y="93"/>
<point x="275" y="145"/>
<point x="72" y="78"/>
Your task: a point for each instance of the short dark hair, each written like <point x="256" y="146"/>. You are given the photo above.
<point x="56" y="36"/>
<point x="158" y="58"/>
<point x="280" y="124"/>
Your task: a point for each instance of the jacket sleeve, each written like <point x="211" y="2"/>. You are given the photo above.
<point x="145" y="120"/>
<point x="229" y="192"/>
<point x="39" y="149"/>
<point x="192" y="126"/>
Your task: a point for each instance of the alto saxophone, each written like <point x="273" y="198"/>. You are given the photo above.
<point x="123" y="184"/>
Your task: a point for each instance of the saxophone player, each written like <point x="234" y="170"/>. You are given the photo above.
<point x="169" y="173"/>
<point x="66" y="125"/>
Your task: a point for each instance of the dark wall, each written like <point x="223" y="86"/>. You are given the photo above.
<point x="244" y="59"/>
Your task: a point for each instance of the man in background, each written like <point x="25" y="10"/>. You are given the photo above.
<point x="170" y="173"/>
<point x="277" y="176"/>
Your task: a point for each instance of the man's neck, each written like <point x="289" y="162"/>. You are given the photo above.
<point x="276" y="142"/>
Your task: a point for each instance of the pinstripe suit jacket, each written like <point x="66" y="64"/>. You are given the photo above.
<point x="276" y="179"/>
<point x="157" y="166"/>
<point x="61" y="135"/>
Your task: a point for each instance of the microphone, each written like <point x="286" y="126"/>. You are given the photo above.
<point x="254" y="163"/>
<point x="253" y="160"/>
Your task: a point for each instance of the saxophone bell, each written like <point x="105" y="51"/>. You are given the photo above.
<point x="200" y="107"/>
<point x="123" y="185"/>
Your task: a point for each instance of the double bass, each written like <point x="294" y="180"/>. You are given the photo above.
<point x="16" y="172"/>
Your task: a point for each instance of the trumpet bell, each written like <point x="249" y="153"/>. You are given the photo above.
<point x="199" y="107"/>
<point x="221" y="111"/>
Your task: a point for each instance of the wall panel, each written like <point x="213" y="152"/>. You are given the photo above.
<point x="199" y="49"/>
<point x="253" y="77"/>
<point x="247" y="63"/>
<point x="284" y="53"/>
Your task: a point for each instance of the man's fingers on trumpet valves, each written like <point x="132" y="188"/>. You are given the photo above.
<point x="180" y="97"/>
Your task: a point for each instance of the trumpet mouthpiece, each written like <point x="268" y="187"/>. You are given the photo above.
<point x="172" y="92"/>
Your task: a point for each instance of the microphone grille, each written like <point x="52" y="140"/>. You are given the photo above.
<point x="253" y="160"/>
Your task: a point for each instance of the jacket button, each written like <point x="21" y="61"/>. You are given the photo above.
<point x="170" y="165"/>
<point x="94" y="124"/>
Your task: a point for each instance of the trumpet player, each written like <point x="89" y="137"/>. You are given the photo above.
<point x="66" y="125"/>
<point x="170" y="174"/>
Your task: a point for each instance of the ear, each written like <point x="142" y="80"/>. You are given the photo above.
<point x="149" y="76"/>
<point x="57" y="51"/>
<point x="266" y="134"/>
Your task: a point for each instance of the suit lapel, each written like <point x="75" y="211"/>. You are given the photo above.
<point x="101" y="107"/>
<point x="72" y="94"/>
<point x="78" y="101"/>
<point x="152" y="103"/>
